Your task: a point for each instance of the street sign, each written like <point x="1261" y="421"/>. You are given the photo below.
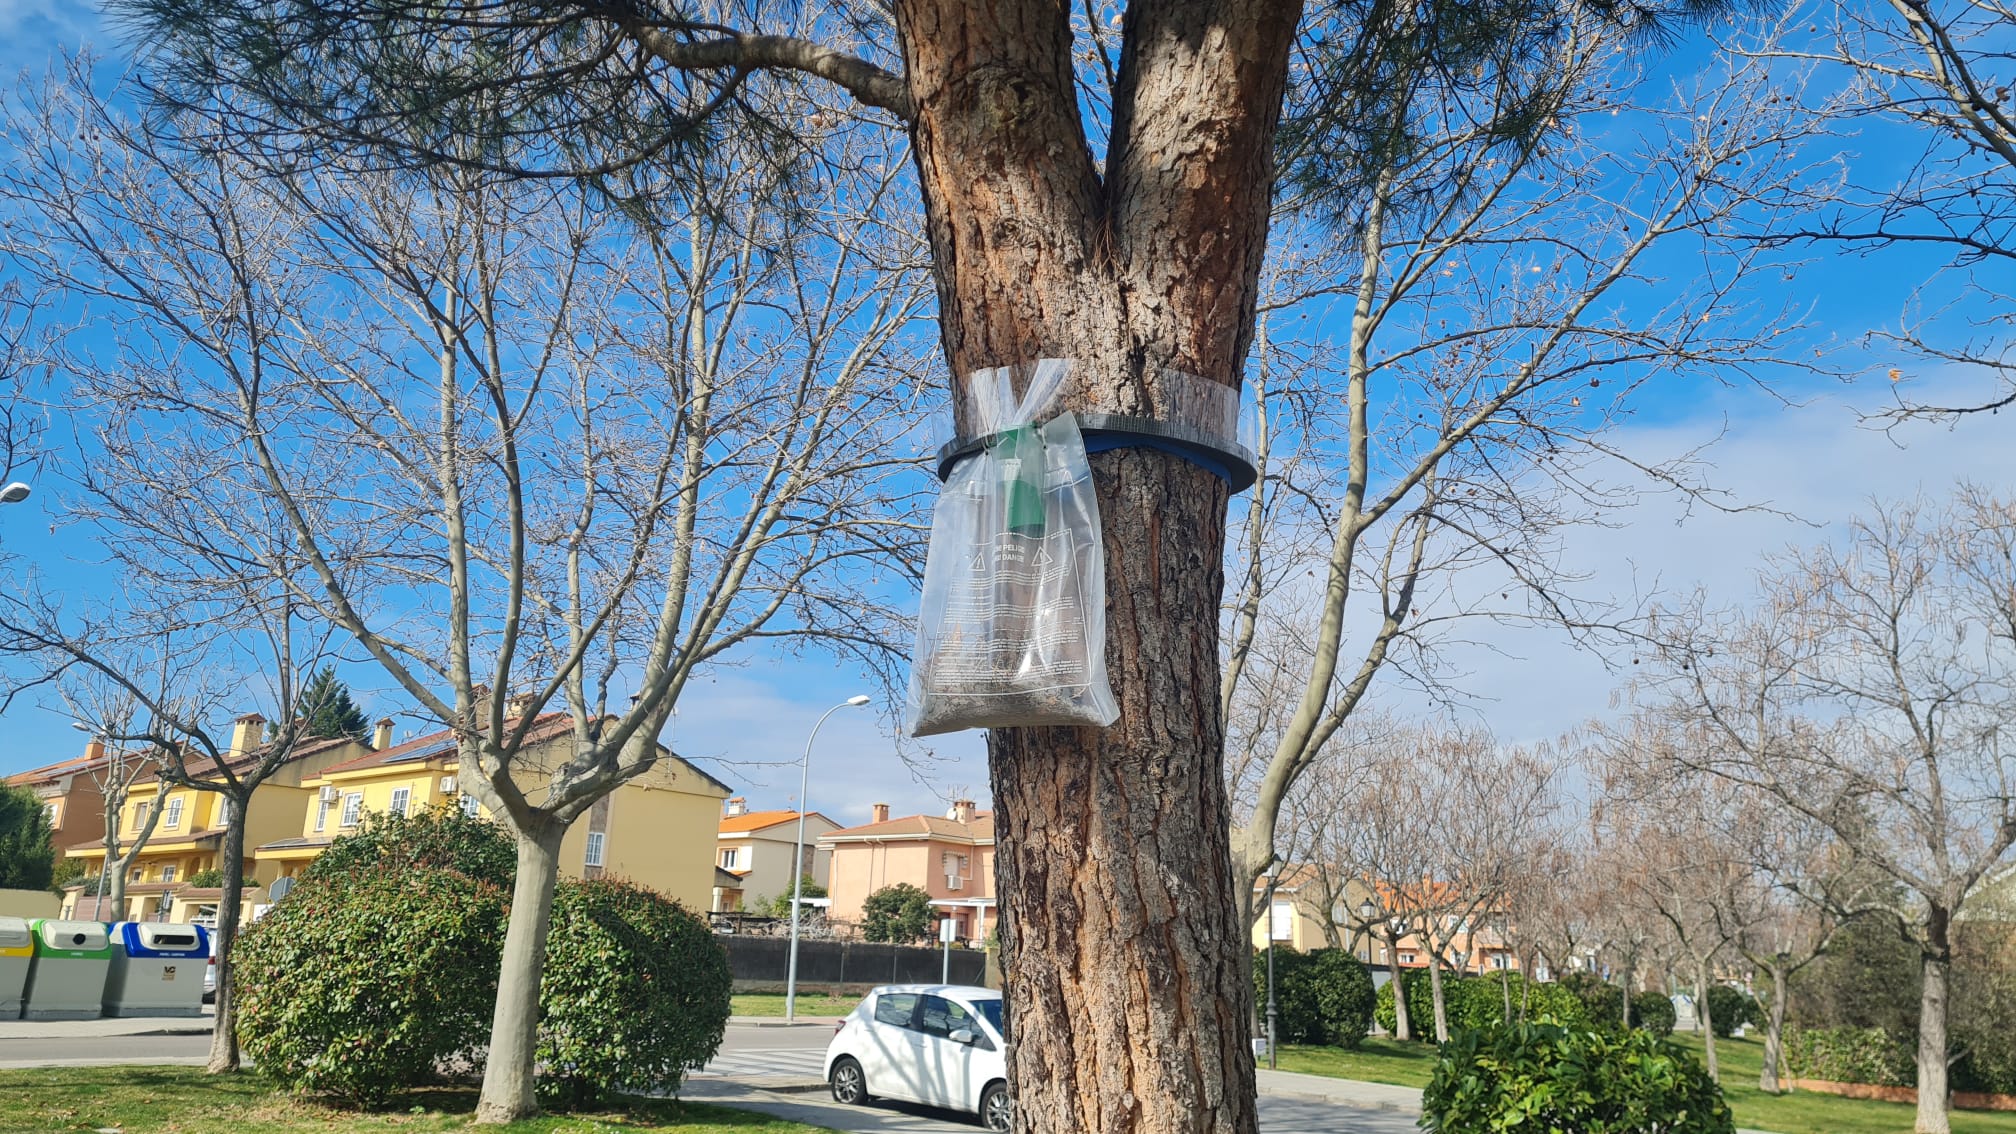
<point x="948" y="931"/>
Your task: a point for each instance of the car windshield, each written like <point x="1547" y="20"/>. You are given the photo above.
<point x="992" y="1010"/>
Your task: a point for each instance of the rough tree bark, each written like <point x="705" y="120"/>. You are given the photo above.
<point x="1121" y="946"/>
<point x="1403" y="1028"/>
<point x="1934" y="1083"/>
<point x="1774" y="1035"/>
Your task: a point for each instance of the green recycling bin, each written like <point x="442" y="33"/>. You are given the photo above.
<point x="157" y="969"/>
<point x="17" y="949"/>
<point x="67" y="980"/>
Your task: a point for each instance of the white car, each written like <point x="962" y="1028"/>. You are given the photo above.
<point x="936" y="1044"/>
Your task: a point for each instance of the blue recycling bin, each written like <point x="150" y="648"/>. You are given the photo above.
<point x="157" y="969"/>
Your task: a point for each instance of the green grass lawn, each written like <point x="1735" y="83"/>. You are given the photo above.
<point x="1803" y="1112"/>
<point x="183" y="1100"/>
<point x="772" y="1004"/>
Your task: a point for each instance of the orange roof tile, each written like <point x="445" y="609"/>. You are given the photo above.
<point x="758" y="820"/>
<point x="545" y="726"/>
<point x="980" y="830"/>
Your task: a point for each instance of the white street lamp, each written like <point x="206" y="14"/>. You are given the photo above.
<point x="14" y="493"/>
<point x="798" y="860"/>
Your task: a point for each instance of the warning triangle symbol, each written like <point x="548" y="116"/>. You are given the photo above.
<point x="1043" y="556"/>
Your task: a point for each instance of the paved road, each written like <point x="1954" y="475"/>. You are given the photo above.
<point x="752" y="1056"/>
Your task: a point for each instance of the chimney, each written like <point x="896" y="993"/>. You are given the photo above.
<point x="962" y="811"/>
<point x="880" y="811"/>
<point x="247" y="733"/>
<point x="517" y="705"/>
<point x="733" y="806"/>
<point x="381" y="737"/>
<point x="94" y="749"/>
<point x="479" y="702"/>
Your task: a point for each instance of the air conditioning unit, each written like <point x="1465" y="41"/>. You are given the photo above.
<point x="447" y="785"/>
<point x="328" y="793"/>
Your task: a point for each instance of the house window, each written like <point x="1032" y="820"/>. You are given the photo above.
<point x="226" y="808"/>
<point x="54" y="814"/>
<point x="171" y="816"/>
<point x="955" y="871"/>
<point x="322" y="807"/>
<point x="168" y="872"/>
<point x="594" y="856"/>
<point x="136" y="876"/>
<point x="400" y="796"/>
<point x="1283" y="921"/>
<point x="139" y="816"/>
<point x="1497" y="960"/>
<point x="353" y="809"/>
<point x="730" y="857"/>
<point x="1406" y="958"/>
<point x="470" y="806"/>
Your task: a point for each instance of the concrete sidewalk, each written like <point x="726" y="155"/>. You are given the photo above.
<point x="104" y="1028"/>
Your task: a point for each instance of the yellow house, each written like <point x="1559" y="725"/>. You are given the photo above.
<point x="189" y="833"/>
<point x="657" y="830"/>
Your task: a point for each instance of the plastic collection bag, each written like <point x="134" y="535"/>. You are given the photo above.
<point x="1013" y="626"/>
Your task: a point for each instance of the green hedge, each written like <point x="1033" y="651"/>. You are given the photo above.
<point x="1851" y="1055"/>
<point x="1545" y="1077"/>
<point x="1323" y="996"/>
<point x="635" y="993"/>
<point x="1731" y="1008"/>
<point x="1476" y="1002"/>
<point x="358" y="986"/>
<point x="441" y="837"/>
<point x="1653" y="1011"/>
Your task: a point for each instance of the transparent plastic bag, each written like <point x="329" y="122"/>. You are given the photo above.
<point x="1013" y="626"/>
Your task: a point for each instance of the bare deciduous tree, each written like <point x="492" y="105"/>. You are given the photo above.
<point x="1870" y="692"/>
<point x="520" y="452"/>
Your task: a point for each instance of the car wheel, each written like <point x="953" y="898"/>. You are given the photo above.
<point x="996" y="1112"/>
<point x="849" y="1085"/>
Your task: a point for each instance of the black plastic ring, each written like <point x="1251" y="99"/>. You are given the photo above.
<point x="1105" y="431"/>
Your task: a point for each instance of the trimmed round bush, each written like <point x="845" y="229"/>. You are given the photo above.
<point x="1545" y="1076"/>
<point x="635" y="993"/>
<point x="359" y="986"/>
<point x="1602" y="1002"/>
<point x="1323" y="996"/>
<point x="1420" y="1005"/>
<point x="1652" y="1011"/>
<point x="1730" y="1008"/>
<point x="441" y="837"/>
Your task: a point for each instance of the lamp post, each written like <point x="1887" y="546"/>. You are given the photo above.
<point x="14" y="493"/>
<point x="1273" y="876"/>
<point x="798" y="861"/>
<point x="1366" y="912"/>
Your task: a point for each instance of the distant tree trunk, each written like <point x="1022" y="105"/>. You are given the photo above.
<point x="1505" y="986"/>
<point x="1703" y="1021"/>
<point x="1624" y="993"/>
<point x="231" y="862"/>
<point x="1403" y="1028"/>
<point x="1774" y="1033"/>
<point x="1934" y="1085"/>
<point x="508" y="1087"/>
<point x="1435" y="994"/>
<point x="1113" y="856"/>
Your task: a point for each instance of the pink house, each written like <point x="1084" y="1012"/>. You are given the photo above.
<point x="950" y="858"/>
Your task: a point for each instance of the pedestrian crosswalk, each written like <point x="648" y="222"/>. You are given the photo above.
<point x="768" y="1063"/>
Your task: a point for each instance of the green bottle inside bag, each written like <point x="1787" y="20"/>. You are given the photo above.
<point x="1018" y="454"/>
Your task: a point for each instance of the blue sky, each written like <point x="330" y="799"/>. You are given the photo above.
<point x="1817" y="460"/>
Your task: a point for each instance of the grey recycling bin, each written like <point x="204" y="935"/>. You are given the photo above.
<point x="17" y="949"/>
<point x="156" y="969"/>
<point x="67" y="980"/>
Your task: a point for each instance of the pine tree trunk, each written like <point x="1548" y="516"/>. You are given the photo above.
<point x="508" y="1089"/>
<point x="1113" y="845"/>
<point x="1934" y="1100"/>
<point x="1774" y="1034"/>
<point x="231" y="861"/>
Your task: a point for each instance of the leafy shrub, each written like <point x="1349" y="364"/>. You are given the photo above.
<point x="1652" y="1011"/>
<point x="1984" y="1006"/>
<point x="1420" y="1005"/>
<point x="1602" y="1002"/>
<point x="899" y="914"/>
<point x="211" y="879"/>
<point x="360" y="985"/>
<point x="1730" y="1008"/>
<point x="1851" y="1055"/>
<point x="1546" y="1077"/>
<point x="1323" y="996"/>
<point x="441" y="837"/>
<point x="635" y="993"/>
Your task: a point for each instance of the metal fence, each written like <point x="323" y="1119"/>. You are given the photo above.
<point x="761" y="961"/>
